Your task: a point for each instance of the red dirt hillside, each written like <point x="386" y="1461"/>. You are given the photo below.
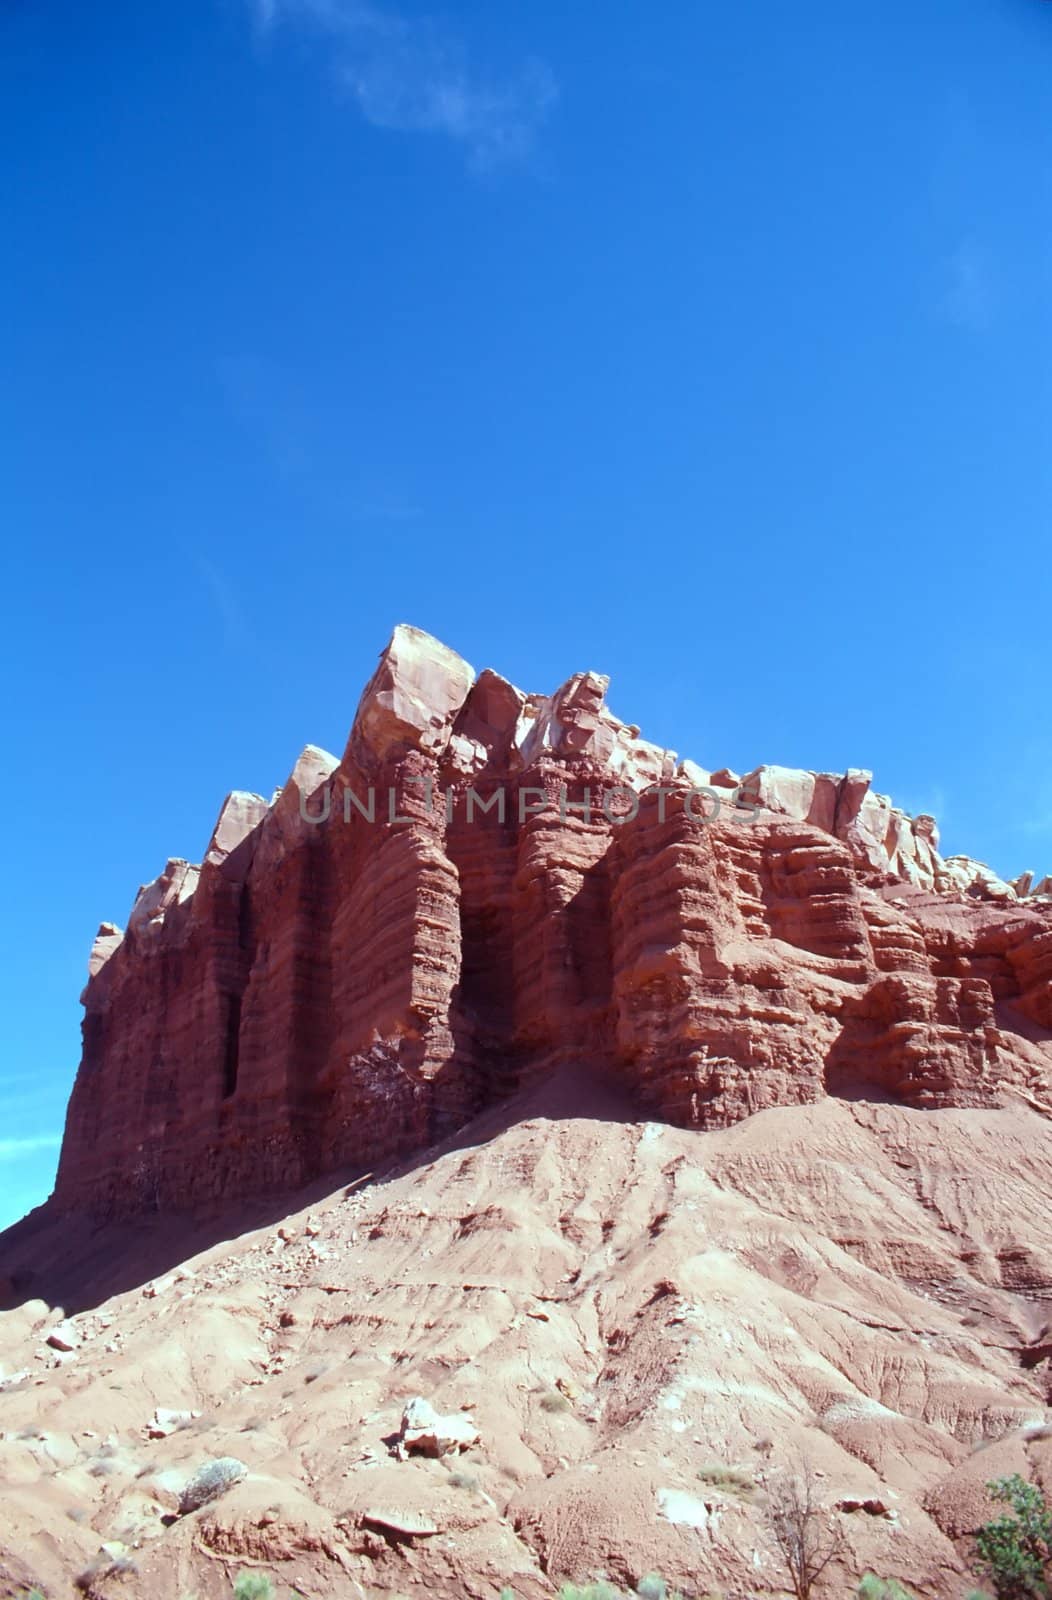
<point x="661" y="1129"/>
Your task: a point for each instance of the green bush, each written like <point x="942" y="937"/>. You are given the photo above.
<point x="590" y="1591"/>
<point x="652" y="1587"/>
<point x="1015" y="1549"/>
<point x="874" y="1588"/>
<point x="253" y="1586"/>
<point x="738" y="1481"/>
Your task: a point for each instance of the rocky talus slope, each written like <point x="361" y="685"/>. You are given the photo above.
<point x="665" y="1131"/>
<point x="641" y="1323"/>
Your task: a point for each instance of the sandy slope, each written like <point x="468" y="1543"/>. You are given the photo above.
<point x="625" y="1309"/>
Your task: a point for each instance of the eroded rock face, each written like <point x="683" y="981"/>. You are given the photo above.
<point x="412" y="699"/>
<point x="491" y="883"/>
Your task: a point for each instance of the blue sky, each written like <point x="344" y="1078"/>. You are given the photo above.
<point x="706" y="345"/>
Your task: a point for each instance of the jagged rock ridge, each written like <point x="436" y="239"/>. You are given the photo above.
<point x="491" y="883"/>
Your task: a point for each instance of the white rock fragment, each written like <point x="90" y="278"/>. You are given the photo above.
<point x="424" y="1432"/>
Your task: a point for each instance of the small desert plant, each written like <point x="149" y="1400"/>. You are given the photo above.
<point x="800" y="1531"/>
<point x="1015" y="1549"/>
<point x="553" y="1401"/>
<point x="195" y="1424"/>
<point x="210" y="1481"/>
<point x="463" y="1480"/>
<point x="654" y="1587"/>
<point x="874" y="1588"/>
<point x="590" y="1591"/>
<point x="104" y="1567"/>
<point x="253" y="1586"/>
<point x="735" y="1480"/>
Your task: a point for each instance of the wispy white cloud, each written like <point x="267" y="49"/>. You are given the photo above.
<point x="12" y="1149"/>
<point x="225" y="599"/>
<point x="969" y="298"/>
<point x="415" y="77"/>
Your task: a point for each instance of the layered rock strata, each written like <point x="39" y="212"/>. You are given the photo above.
<point x="490" y="883"/>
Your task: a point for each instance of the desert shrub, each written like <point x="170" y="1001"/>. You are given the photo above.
<point x="553" y="1400"/>
<point x="801" y="1532"/>
<point x="253" y="1586"/>
<point x="1015" y="1549"/>
<point x="590" y="1591"/>
<point x="735" y="1480"/>
<point x="210" y="1481"/>
<point x="105" y="1566"/>
<point x="463" y="1480"/>
<point x="874" y="1588"/>
<point x="654" y="1587"/>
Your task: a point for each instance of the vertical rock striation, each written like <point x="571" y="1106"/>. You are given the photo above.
<point x="491" y="883"/>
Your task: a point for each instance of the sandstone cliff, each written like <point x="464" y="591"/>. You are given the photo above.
<point x="490" y="884"/>
<point x="702" y="1126"/>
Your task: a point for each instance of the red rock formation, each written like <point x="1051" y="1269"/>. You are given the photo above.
<point x="491" y="883"/>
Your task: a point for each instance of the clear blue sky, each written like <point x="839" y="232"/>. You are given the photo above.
<point x="704" y="344"/>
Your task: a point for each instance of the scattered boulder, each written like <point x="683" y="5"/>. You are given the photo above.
<point x="64" y="1338"/>
<point x="424" y="1432"/>
<point x="871" y="1507"/>
<point x="407" y="1524"/>
<point x="165" y="1422"/>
